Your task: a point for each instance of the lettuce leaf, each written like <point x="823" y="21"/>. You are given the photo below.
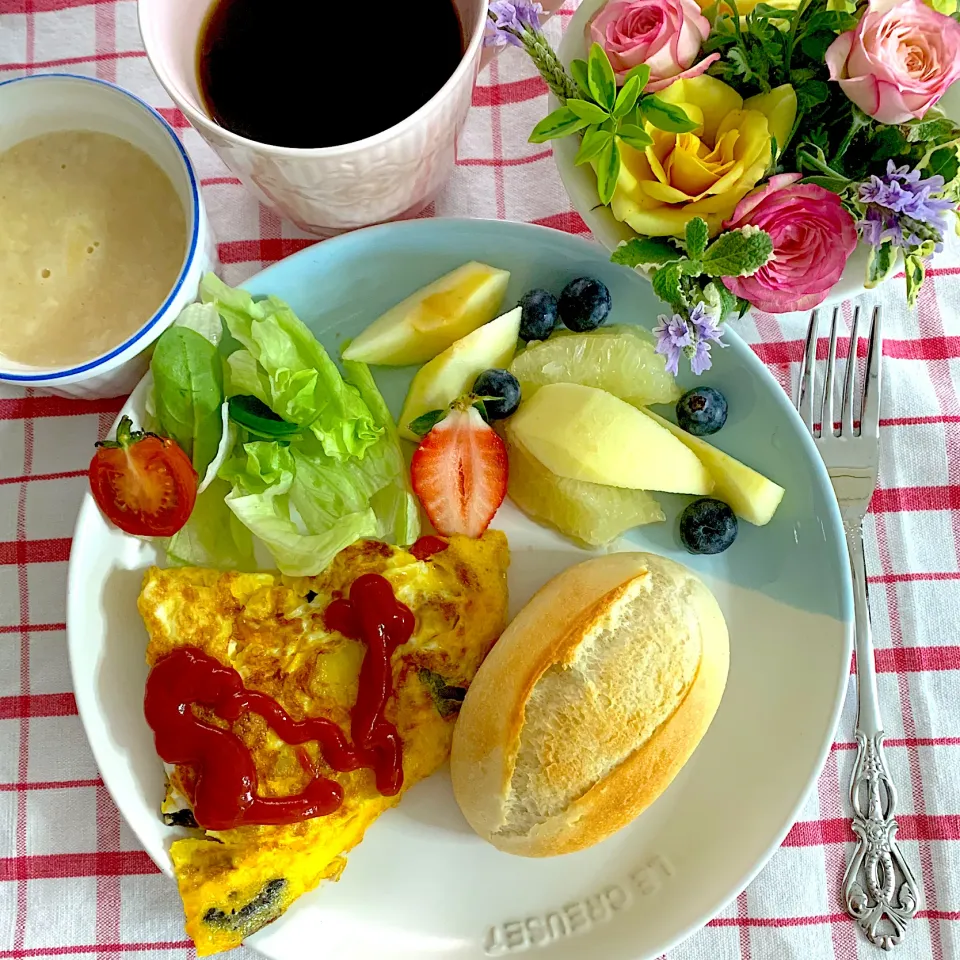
<point x="287" y="368"/>
<point x="214" y="537"/>
<point x="305" y="511"/>
<point x="341" y="479"/>
<point x="394" y="502"/>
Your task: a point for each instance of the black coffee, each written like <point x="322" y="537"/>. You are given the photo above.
<point x="318" y="73"/>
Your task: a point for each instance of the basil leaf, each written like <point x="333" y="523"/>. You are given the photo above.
<point x="426" y="422"/>
<point x="578" y="70"/>
<point x="586" y="111"/>
<point x="594" y="140"/>
<point x="634" y="136"/>
<point x="601" y="79"/>
<point x="188" y="391"/>
<point x="560" y="123"/>
<point x="627" y="97"/>
<point x="256" y="417"/>
<point x="608" y="169"/>
<point x="666" y="116"/>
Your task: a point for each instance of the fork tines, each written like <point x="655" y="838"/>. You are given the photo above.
<point x="818" y="407"/>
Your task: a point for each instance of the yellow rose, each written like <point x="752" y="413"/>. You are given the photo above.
<point x="705" y="173"/>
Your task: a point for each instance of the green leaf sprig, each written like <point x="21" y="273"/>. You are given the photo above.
<point x="608" y="117"/>
<point x="683" y="270"/>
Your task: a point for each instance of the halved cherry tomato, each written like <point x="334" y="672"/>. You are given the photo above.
<point x="144" y="484"/>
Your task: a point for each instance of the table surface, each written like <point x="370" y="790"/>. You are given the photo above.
<point x="72" y="877"/>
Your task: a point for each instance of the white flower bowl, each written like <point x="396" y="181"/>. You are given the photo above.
<point x="581" y="182"/>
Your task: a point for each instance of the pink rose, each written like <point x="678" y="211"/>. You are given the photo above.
<point x="812" y="238"/>
<point x="664" y="34"/>
<point x="899" y="61"/>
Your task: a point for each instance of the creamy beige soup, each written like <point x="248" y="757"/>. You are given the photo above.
<point x="92" y="238"/>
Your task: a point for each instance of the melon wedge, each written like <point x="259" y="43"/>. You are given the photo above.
<point x="583" y="433"/>
<point x="433" y="318"/>
<point x="749" y="494"/>
<point x="452" y="373"/>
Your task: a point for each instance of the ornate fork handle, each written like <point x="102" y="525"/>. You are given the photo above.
<point x="879" y="888"/>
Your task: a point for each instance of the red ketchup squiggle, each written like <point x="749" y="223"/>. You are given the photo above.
<point x="427" y="546"/>
<point x="226" y="785"/>
<point x="375" y="616"/>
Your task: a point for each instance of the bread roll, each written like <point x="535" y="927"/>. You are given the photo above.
<point x="589" y="704"/>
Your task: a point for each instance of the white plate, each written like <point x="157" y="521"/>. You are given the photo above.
<point x="422" y="885"/>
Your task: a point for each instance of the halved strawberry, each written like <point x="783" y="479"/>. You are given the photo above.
<point x="459" y="472"/>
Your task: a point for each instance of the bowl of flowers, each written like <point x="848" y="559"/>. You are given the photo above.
<point x="774" y="155"/>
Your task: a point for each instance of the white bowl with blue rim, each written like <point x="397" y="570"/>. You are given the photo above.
<point x="46" y="103"/>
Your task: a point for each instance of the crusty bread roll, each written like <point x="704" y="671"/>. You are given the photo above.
<point x="589" y="704"/>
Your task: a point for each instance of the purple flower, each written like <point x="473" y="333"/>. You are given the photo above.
<point x="673" y="335"/>
<point x="700" y="357"/>
<point x="508" y="19"/>
<point x="692" y="338"/>
<point x="706" y="330"/>
<point x="901" y="208"/>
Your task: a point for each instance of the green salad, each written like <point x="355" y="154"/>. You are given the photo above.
<point x="290" y="452"/>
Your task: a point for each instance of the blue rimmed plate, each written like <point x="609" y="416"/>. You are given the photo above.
<point x="422" y="885"/>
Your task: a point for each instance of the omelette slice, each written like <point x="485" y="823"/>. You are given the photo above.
<point x="271" y="630"/>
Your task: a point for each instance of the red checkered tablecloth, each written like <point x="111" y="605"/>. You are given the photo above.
<point x="73" y="879"/>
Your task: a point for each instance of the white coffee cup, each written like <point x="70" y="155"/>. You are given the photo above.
<point x="327" y="190"/>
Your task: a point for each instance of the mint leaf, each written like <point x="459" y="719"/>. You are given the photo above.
<point x="915" y="270"/>
<point x="728" y="302"/>
<point x="666" y="116"/>
<point x="423" y="424"/>
<point x="943" y="162"/>
<point x="594" y="140"/>
<point x="560" y="123"/>
<point x="587" y="111"/>
<point x="601" y="79"/>
<point x="835" y="20"/>
<point x="634" y="136"/>
<point x="697" y="235"/>
<point x="834" y="184"/>
<point x="736" y="254"/>
<point x="642" y="73"/>
<point x="883" y="260"/>
<point x="608" y="169"/>
<point x="811" y="93"/>
<point x="666" y="284"/>
<point x="646" y="250"/>
<point x="690" y="268"/>
<point x="627" y="97"/>
<point x="927" y="131"/>
<point x="578" y="70"/>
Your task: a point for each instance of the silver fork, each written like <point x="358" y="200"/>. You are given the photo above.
<point x="879" y="888"/>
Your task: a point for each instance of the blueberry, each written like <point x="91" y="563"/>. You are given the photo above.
<point x="702" y="411"/>
<point x="584" y="304"/>
<point x="708" y="526"/>
<point x="538" y="316"/>
<point x="503" y="386"/>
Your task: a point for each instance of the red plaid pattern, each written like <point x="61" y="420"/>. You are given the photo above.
<point x="72" y="878"/>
